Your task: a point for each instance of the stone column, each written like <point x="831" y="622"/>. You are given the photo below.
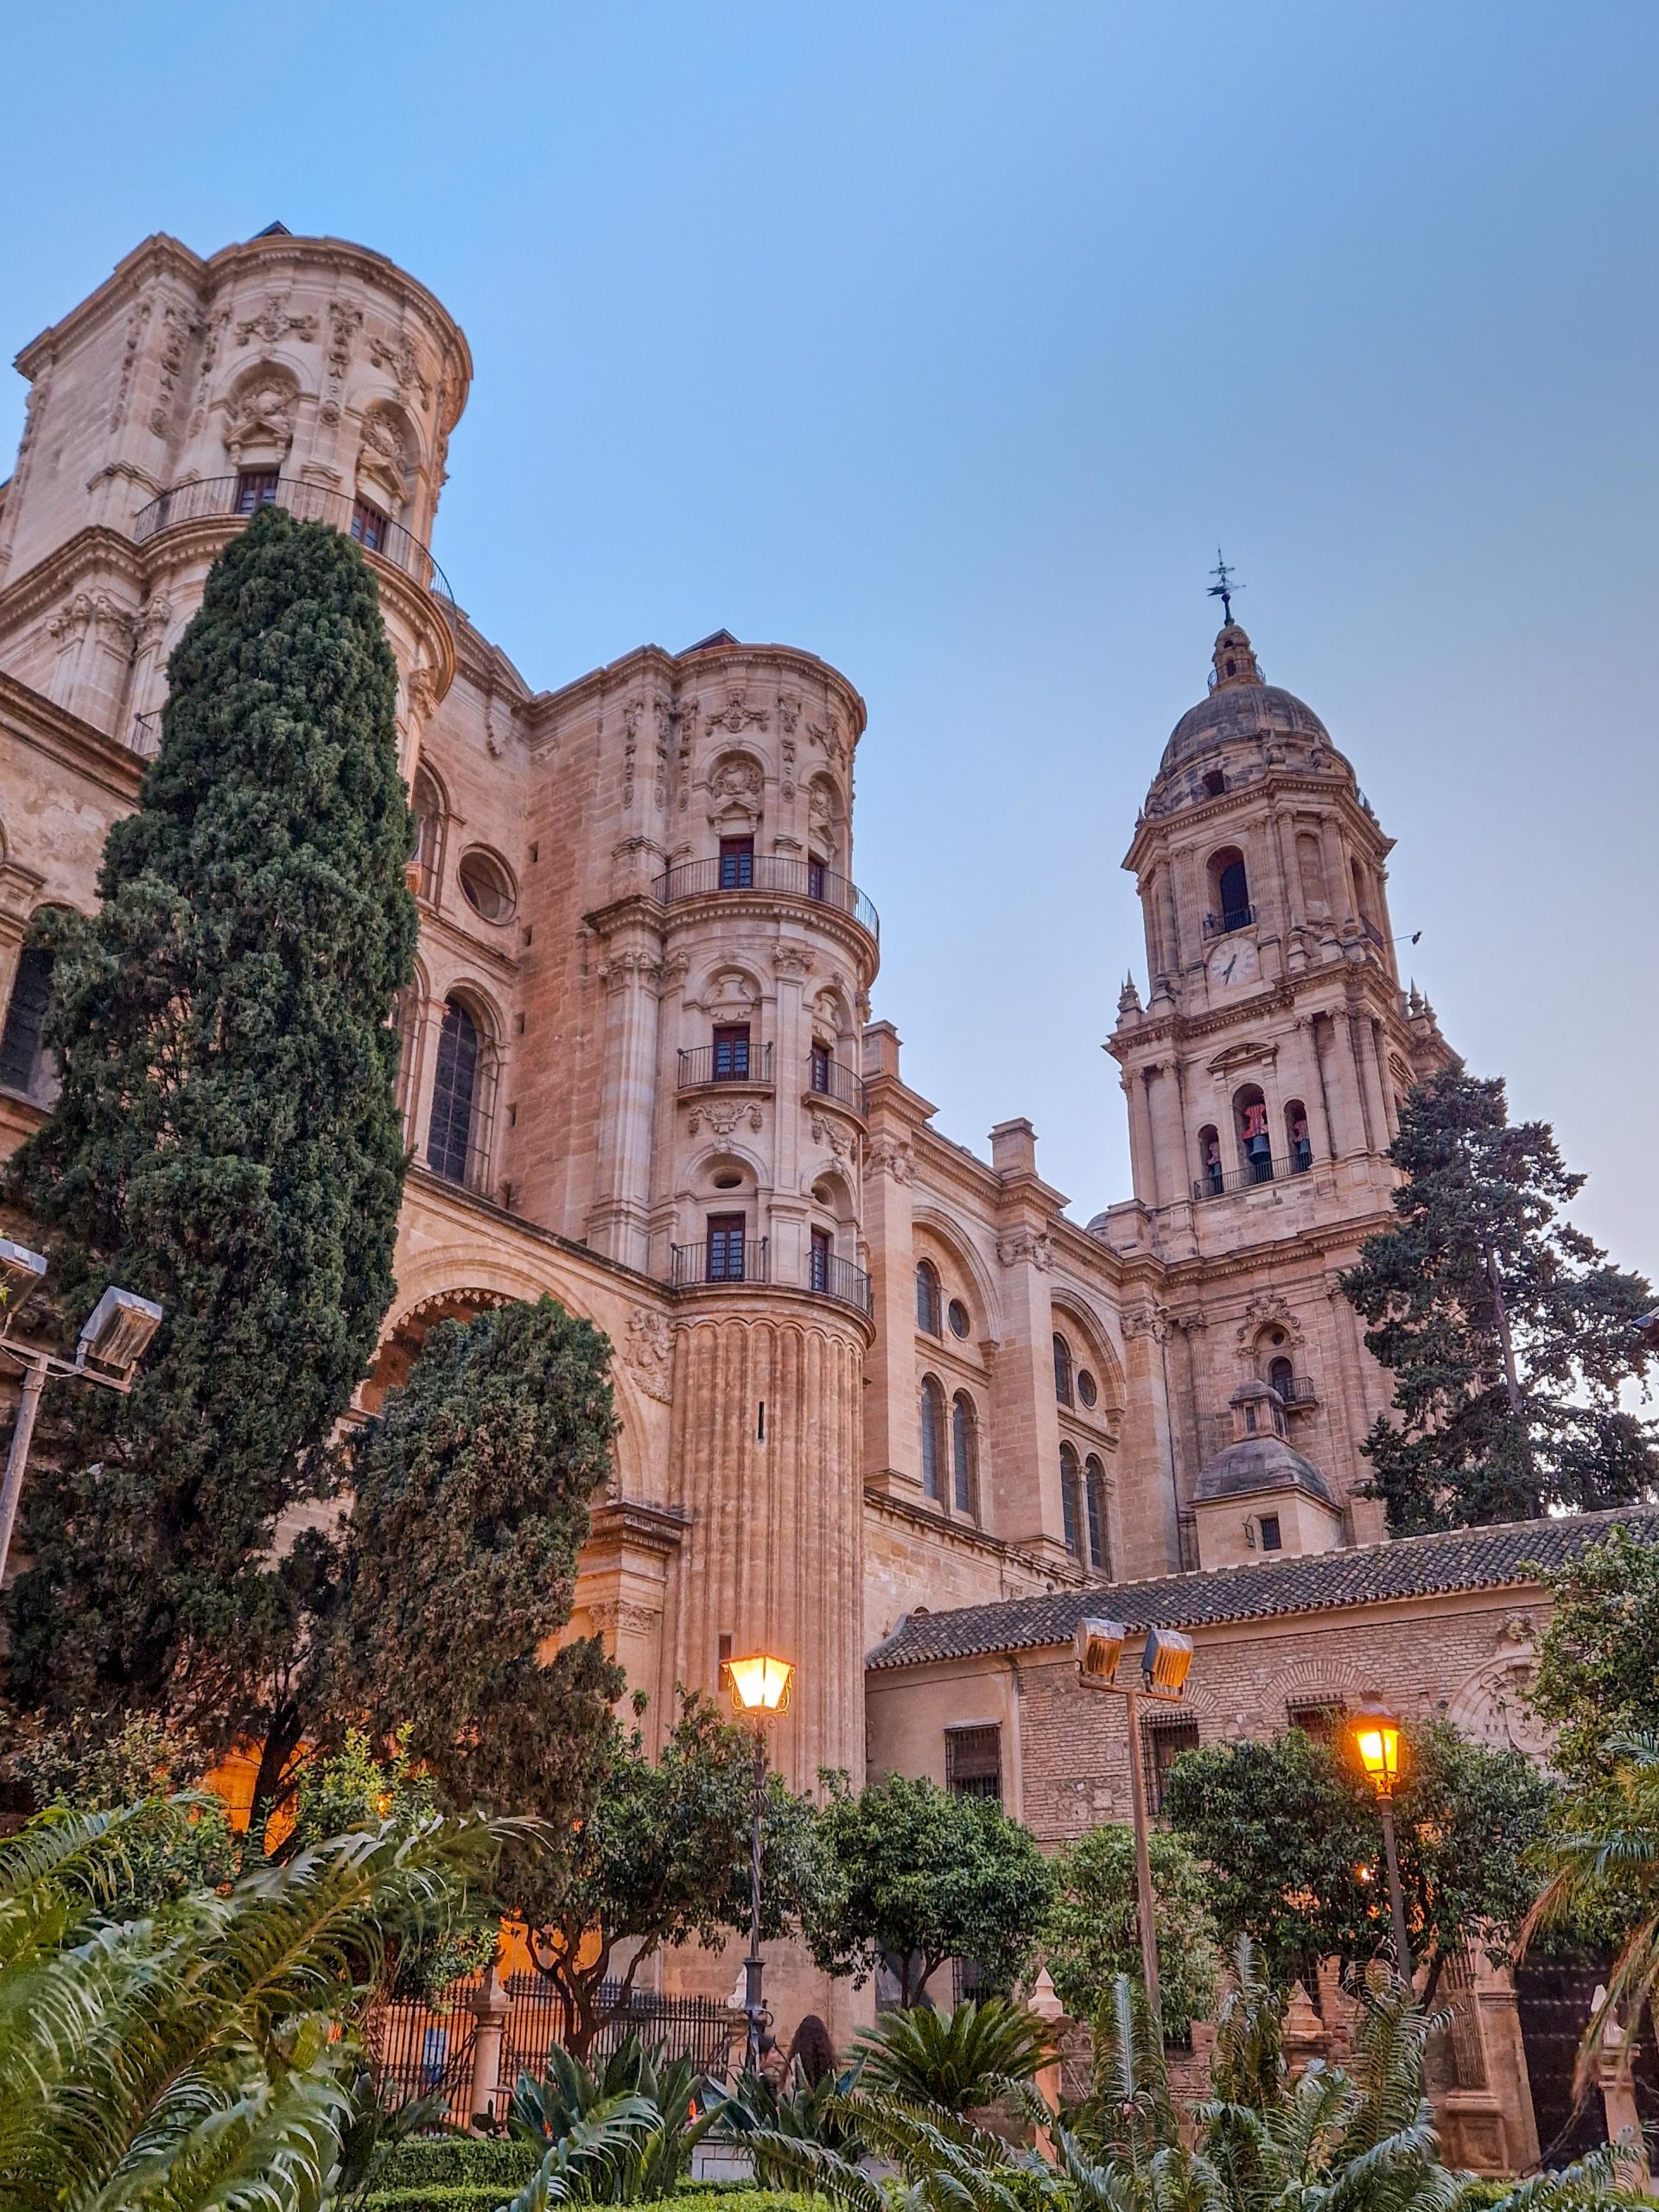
<point x="892" y="1439"/>
<point x="1026" y="1426"/>
<point x="1309" y="1087"/>
<point x="423" y="1060"/>
<point x="792" y="964"/>
<point x="620" y="1220"/>
<point x="490" y="2011"/>
<point x="1143" y="1173"/>
<point x="1365" y="1052"/>
<point x="1352" y="1133"/>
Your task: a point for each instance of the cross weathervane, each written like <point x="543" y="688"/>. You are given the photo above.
<point x="1224" y="587"/>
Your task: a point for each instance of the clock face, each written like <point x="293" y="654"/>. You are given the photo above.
<point x="1233" y="963"/>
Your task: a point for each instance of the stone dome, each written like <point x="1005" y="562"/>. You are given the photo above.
<point x="1256" y="1464"/>
<point x="1240" y="706"/>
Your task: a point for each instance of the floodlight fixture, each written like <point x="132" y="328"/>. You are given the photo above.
<point x="116" y="1333"/>
<point x="20" y="1270"/>
<point x="1098" y="1646"/>
<point x="1164" y="1662"/>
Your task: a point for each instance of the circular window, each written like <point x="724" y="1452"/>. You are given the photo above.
<point x="1278" y="1337"/>
<point x="730" y="1180"/>
<point x="487" y="886"/>
<point x="956" y="1314"/>
<point x="1087" y="1390"/>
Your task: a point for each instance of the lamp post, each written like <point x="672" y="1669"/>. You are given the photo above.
<point x="760" y="1686"/>
<point x="1377" y="1738"/>
<point x="108" y="1348"/>
<point x="1098" y="1646"/>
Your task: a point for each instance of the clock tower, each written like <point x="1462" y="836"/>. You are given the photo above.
<point x="1264" y="1075"/>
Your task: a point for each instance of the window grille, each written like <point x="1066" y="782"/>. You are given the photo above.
<point x="973" y="1761"/>
<point x="1164" y="1737"/>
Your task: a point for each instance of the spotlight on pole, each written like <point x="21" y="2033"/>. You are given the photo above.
<point x="21" y="1271"/>
<point x="1164" y="1662"/>
<point x="1098" y="1646"/>
<point x="116" y="1330"/>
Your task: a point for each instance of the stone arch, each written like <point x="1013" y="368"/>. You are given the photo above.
<point x="1091" y="1347"/>
<point x="729" y="984"/>
<point x="388" y="454"/>
<point x="1491" y="1706"/>
<point x="260" y="408"/>
<point x="961" y="1249"/>
<point x="725" y="1150"/>
<point x="1326" y="1679"/>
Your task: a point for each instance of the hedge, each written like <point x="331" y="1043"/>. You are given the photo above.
<point x="461" y="2173"/>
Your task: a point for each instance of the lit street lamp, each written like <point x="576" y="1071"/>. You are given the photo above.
<point x="1164" y="1664"/>
<point x="108" y="1348"/>
<point x="760" y="1686"/>
<point x="1377" y="1737"/>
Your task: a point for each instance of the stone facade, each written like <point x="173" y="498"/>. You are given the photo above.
<point x="860" y="1371"/>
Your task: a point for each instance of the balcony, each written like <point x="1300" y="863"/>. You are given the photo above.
<point x="1220" y="1184"/>
<point x="144" y="737"/>
<point x="768" y="872"/>
<point x="838" y="1279"/>
<point x="1231" y="918"/>
<point x="739" y="1065"/>
<point x="832" y="1079"/>
<point x="689" y="1267"/>
<point x="735" y="1266"/>
<point x="216" y="499"/>
<point x="1297" y="1390"/>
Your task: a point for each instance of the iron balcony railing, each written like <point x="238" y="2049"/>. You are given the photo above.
<point x="701" y="1267"/>
<point x="1233" y="917"/>
<point x="1296" y="1390"/>
<point x="827" y="1078"/>
<point x="768" y="872"/>
<point x="144" y="737"/>
<point x="1371" y="932"/>
<point x="1220" y="1183"/>
<point x="692" y="1266"/>
<point x="839" y="1278"/>
<point x="741" y="1063"/>
<point x="217" y="498"/>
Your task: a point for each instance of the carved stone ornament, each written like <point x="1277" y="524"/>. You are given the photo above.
<point x="397" y="357"/>
<point x="789" y="713"/>
<point x="139" y="318"/>
<point x="178" y="327"/>
<point x="1148" y="1321"/>
<point x="614" y="1617"/>
<point x="830" y="740"/>
<point x="723" y="1117"/>
<point x="1270" y="1311"/>
<point x="651" y="1352"/>
<point x="620" y="967"/>
<point x="273" y="322"/>
<point x="789" y="767"/>
<point x="262" y="413"/>
<point x="737" y="777"/>
<point x="676" y="968"/>
<point x="820" y="803"/>
<point x="86" y="608"/>
<point x="1027" y="1247"/>
<point x="890" y="1156"/>
<point x="792" y="959"/>
<point x="150" y="625"/>
<point x="836" y="1140"/>
<point x="737" y="714"/>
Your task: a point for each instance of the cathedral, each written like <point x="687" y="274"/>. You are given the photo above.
<point x="886" y="1407"/>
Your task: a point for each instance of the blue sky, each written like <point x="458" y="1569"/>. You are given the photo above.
<point x="947" y="337"/>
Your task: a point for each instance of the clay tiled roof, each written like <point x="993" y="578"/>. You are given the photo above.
<point x="1369" y="1574"/>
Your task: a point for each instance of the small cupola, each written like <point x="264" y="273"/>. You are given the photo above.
<point x="1257" y="1497"/>
<point x="1235" y="659"/>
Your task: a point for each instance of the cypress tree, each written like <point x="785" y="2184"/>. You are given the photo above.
<point x="227" y="1141"/>
<point x="1509" y="1336"/>
<point x="470" y="1496"/>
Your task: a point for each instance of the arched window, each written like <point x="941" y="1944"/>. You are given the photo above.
<point x="1212" y="1169"/>
<point x="1229" y="889"/>
<point x="1094" y="1484"/>
<point x="25" y="1064"/>
<point x="426" y="804"/>
<point x="932" y="1436"/>
<point x="1282" y="1377"/>
<point x="928" y="1304"/>
<point x="1250" y="1120"/>
<point x="1298" y="1144"/>
<point x="964" y="1453"/>
<point x="1071" y="1501"/>
<point x="458" y="1140"/>
<point x="1062" y="1371"/>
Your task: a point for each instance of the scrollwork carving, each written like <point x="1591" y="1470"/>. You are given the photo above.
<point x="892" y="1157"/>
<point x="651" y="1352"/>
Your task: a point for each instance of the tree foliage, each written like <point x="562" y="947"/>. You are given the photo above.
<point x="1290" y="1832"/>
<point x="208" y="2052"/>
<point x="975" y="2054"/>
<point x="1093" y="1933"/>
<point x="1598" y="1671"/>
<point x="1508" y="1335"/>
<point x="662" y="1859"/>
<point x="227" y="1141"/>
<point x="917" y="1875"/>
<point x="470" y="1504"/>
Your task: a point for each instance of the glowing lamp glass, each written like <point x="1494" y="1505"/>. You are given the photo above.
<point x="1098" y="1647"/>
<point x="759" y="1683"/>
<point x="1376" y="1738"/>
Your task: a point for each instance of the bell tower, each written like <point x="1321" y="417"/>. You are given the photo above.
<point x="1263" y="1073"/>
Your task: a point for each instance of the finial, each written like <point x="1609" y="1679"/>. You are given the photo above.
<point x="1224" y="587"/>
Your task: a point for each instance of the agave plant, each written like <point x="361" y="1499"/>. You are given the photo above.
<point x="973" y="2057"/>
<point x="208" y="2052"/>
<point x="802" y="2111"/>
<point x="618" y="2134"/>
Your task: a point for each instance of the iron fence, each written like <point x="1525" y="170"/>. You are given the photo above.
<point x="727" y="1063"/>
<point x="764" y="872"/>
<point x="215" y="498"/>
<point x="828" y="1078"/>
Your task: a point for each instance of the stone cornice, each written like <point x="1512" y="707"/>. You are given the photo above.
<point x="438" y="929"/>
<point x="967" y="1536"/>
<point x="33" y="719"/>
<point x="1151" y="829"/>
<point x="1360" y="980"/>
<point x="97" y="550"/>
<point x="676" y="673"/>
<point x="159" y="255"/>
<point x="448" y="1197"/>
<point x="631" y="1521"/>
